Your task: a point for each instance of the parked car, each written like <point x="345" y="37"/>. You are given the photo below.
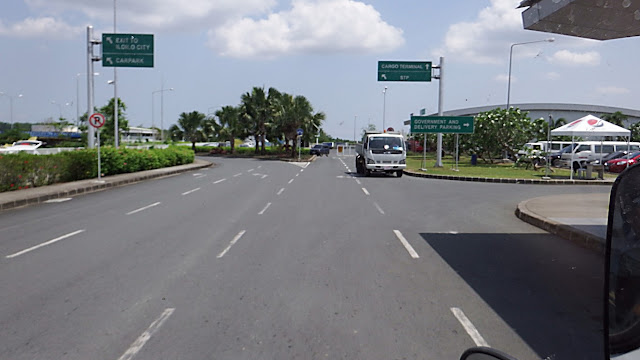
<point x="618" y="165"/>
<point x="22" y="145"/>
<point x="555" y="159"/>
<point x="319" y="150"/>
<point x="614" y="155"/>
<point x="589" y="151"/>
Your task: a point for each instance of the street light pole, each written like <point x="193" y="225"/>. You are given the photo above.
<point x="161" y="91"/>
<point x="355" y="118"/>
<point x="384" y="107"/>
<point x="10" y="104"/>
<point x="510" y="61"/>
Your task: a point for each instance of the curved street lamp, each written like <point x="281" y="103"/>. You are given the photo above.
<point x="510" y="58"/>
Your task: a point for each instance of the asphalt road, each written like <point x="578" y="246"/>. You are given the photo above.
<point x="271" y="260"/>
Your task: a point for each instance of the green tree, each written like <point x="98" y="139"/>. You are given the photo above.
<point x="257" y="110"/>
<point x="189" y="128"/>
<point x="107" y="132"/>
<point x="617" y="118"/>
<point x="230" y="126"/>
<point x="635" y="131"/>
<point x="498" y="132"/>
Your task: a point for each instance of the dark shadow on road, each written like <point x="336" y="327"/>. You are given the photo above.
<point x="548" y="290"/>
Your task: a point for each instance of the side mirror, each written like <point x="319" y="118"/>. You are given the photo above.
<point x="622" y="266"/>
<point x="485" y="353"/>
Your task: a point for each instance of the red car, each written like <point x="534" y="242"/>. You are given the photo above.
<point x="618" y="165"/>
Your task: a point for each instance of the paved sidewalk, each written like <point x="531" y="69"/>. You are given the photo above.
<point x="15" y="199"/>
<point x="581" y="218"/>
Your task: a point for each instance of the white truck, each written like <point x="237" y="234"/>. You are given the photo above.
<point x="383" y="152"/>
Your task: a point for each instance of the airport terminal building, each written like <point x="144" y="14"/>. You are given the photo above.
<point x="569" y="112"/>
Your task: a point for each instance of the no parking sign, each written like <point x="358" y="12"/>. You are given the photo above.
<point x="97" y="120"/>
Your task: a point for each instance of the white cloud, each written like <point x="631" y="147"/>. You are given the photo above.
<point x="487" y="39"/>
<point x="612" y="90"/>
<point x="44" y="27"/>
<point x="566" y="57"/>
<point x="156" y="14"/>
<point x="308" y="27"/>
<point x="503" y="78"/>
<point x="552" y="75"/>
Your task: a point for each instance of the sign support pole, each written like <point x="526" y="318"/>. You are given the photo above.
<point x="99" y="169"/>
<point x="91" y="130"/>
<point x="440" y="109"/>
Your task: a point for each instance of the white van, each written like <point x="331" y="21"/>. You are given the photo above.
<point x="536" y="148"/>
<point x="588" y="151"/>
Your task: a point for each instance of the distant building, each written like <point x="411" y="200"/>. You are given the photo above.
<point x="139" y="134"/>
<point x="569" y="112"/>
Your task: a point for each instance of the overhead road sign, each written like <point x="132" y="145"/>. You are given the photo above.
<point x="127" y="50"/>
<point x="442" y="124"/>
<point x="404" y="71"/>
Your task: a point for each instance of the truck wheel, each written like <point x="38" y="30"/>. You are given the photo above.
<point x="399" y="173"/>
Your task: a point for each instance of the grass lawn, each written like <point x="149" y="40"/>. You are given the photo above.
<point x="505" y="171"/>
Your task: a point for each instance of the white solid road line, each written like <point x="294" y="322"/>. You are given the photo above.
<point x="219" y="181"/>
<point x="45" y="244"/>
<point x="406" y="244"/>
<point x="59" y="200"/>
<point x="143" y="208"/>
<point x="235" y="239"/>
<point x="468" y="326"/>
<point x="379" y="208"/>
<point x="281" y="191"/>
<point x="140" y="341"/>
<point x="290" y="181"/>
<point x="265" y="209"/>
<point x="190" y="191"/>
<point x="250" y="170"/>
<point x="365" y="191"/>
<point x="236" y="175"/>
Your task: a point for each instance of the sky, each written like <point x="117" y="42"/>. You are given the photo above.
<point x="211" y="52"/>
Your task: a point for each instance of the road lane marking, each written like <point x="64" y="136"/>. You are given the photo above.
<point x="406" y="244"/>
<point x="290" y="181"/>
<point x="265" y="209"/>
<point x="365" y="191"/>
<point x="358" y="182"/>
<point x="219" y="181"/>
<point x="297" y="175"/>
<point x="143" y="208"/>
<point x="45" y="244"/>
<point x="235" y="239"/>
<point x="190" y="191"/>
<point x="59" y="200"/>
<point x="200" y="176"/>
<point x="259" y="166"/>
<point x="250" y="170"/>
<point x="264" y="176"/>
<point x="236" y="175"/>
<point x="281" y="191"/>
<point x="379" y="208"/>
<point x="468" y="326"/>
<point x="153" y="328"/>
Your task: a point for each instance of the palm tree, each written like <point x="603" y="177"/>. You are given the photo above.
<point x="190" y="125"/>
<point x="257" y="112"/>
<point x="230" y="124"/>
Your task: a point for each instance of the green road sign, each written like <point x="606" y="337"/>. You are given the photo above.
<point x="404" y="70"/>
<point x="127" y="50"/>
<point x="442" y="124"/>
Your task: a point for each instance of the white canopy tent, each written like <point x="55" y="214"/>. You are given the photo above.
<point x="590" y="126"/>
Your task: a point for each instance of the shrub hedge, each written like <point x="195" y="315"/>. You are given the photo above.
<point x="22" y="171"/>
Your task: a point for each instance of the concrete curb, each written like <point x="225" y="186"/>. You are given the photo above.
<point x="21" y="198"/>
<point x="509" y="181"/>
<point x="582" y="238"/>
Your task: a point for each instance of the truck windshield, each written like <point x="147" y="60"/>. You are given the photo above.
<point x="384" y="142"/>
